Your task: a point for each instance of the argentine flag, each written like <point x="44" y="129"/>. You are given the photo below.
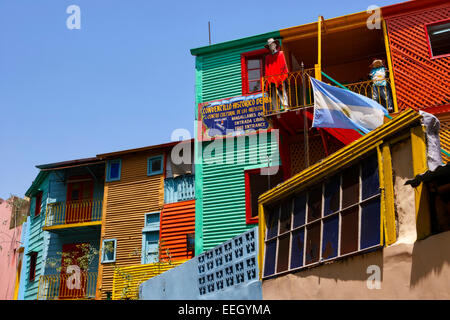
<point x="340" y="108"/>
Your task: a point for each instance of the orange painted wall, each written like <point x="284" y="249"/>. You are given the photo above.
<point x="420" y="81"/>
<point x="177" y="220"/>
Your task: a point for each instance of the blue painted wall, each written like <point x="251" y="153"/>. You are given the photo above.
<point x="228" y="271"/>
<point x="24" y="244"/>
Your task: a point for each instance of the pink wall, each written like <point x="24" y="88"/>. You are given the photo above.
<point x="9" y="243"/>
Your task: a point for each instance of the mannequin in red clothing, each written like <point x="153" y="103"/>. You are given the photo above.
<point x="276" y="73"/>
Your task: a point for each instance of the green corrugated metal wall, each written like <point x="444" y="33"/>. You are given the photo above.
<point x="218" y="76"/>
<point x="224" y="189"/>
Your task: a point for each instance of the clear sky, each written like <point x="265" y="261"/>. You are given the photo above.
<point x="124" y="80"/>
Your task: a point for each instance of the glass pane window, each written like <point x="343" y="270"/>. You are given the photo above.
<point x="285" y="218"/>
<point x="315" y="204"/>
<point x="299" y="210"/>
<point x="350" y="187"/>
<point x="439" y="38"/>
<point x="335" y="217"/>
<point x="253" y="64"/>
<point x="298" y="238"/>
<point x="109" y="250"/>
<point x="155" y="165"/>
<point x="331" y="197"/>
<point x="113" y="170"/>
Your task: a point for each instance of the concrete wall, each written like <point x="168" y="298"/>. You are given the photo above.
<point x="9" y="257"/>
<point x="228" y="271"/>
<point x="408" y="271"/>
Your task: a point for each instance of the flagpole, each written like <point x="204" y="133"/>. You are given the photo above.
<point x="305" y="120"/>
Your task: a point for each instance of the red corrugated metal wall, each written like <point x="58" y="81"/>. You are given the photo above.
<point x="177" y="220"/>
<point x="420" y="81"/>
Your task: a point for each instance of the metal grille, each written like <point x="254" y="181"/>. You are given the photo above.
<point x="420" y="81"/>
<point x="316" y="153"/>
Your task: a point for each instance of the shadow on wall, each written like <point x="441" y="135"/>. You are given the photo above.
<point x="352" y="268"/>
<point x="429" y="257"/>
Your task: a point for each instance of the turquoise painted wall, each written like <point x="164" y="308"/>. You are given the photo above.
<point x="36" y="240"/>
<point x="218" y="76"/>
<point x="24" y="243"/>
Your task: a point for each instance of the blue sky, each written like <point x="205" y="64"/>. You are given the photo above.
<point x="124" y="80"/>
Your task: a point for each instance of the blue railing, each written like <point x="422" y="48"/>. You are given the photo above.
<point x="177" y="189"/>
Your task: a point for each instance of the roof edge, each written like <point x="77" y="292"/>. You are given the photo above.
<point x="234" y="43"/>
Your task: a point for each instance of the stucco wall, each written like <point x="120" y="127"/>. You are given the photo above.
<point x="408" y="271"/>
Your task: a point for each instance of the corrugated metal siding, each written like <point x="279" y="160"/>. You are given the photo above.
<point x="419" y="81"/>
<point x="128" y="279"/>
<point x="127" y="201"/>
<point x="177" y="220"/>
<point x="224" y="191"/>
<point x="221" y="73"/>
<point x="36" y="241"/>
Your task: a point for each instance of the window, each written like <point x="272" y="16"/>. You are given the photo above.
<point x="150" y="238"/>
<point x="255" y="185"/>
<point x="190" y="242"/>
<point x="113" y="169"/>
<point x="109" y="250"/>
<point x="340" y="216"/>
<point x="438" y="38"/>
<point x="33" y="262"/>
<point x="38" y="204"/>
<point x="155" y="165"/>
<point x="151" y="249"/>
<point x="252" y="68"/>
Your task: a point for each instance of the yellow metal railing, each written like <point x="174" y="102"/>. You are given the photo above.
<point x="67" y="286"/>
<point x="79" y="211"/>
<point x="293" y="91"/>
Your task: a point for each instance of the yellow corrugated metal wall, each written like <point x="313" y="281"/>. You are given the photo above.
<point x="127" y="201"/>
<point x="128" y="279"/>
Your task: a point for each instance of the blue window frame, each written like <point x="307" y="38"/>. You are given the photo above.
<point x="109" y="250"/>
<point x="155" y="165"/>
<point x="113" y="169"/>
<point x="150" y="238"/>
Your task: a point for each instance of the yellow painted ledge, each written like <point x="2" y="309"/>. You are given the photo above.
<point x="73" y="225"/>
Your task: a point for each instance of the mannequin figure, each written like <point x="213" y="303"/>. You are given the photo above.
<point x="276" y="73"/>
<point x="381" y="92"/>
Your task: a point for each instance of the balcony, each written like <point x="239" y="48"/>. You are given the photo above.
<point x="299" y="92"/>
<point x="76" y="213"/>
<point x="178" y="189"/>
<point x="66" y="287"/>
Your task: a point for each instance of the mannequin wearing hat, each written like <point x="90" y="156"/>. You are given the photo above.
<point x="276" y="74"/>
<point x="381" y="92"/>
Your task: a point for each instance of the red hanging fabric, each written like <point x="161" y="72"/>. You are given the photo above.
<point x="275" y="68"/>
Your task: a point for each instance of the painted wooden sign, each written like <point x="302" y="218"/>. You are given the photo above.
<point x="231" y="117"/>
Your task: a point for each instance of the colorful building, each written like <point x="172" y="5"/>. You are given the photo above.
<point x="64" y="230"/>
<point x="148" y="216"/>
<point x="237" y="91"/>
